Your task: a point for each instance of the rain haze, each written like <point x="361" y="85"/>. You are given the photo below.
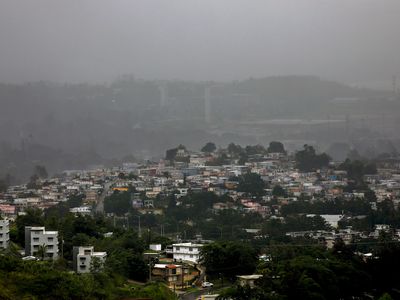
<point x="200" y="149"/>
<point x="95" y="41"/>
<point x="109" y="80"/>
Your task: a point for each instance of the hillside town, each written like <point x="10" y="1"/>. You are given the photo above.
<point x="331" y="201"/>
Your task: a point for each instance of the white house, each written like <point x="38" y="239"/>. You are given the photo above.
<point x="186" y="251"/>
<point x="155" y="247"/>
<point x="83" y="257"/>
<point x="36" y="237"/>
<point x="82" y="210"/>
<point x="4" y="233"/>
<point x="332" y="220"/>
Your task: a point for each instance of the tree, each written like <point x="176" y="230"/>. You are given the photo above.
<point x="276" y="147"/>
<point x="278" y="191"/>
<point x="252" y="184"/>
<point x="42" y="251"/>
<point x="170" y="154"/>
<point x="308" y="160"/>
<point x="3" y="185"/>
<point x="385" y="296"/>
<point x="228" y="258"/>
<point x="234" y="150"/>
<point x="128" y="264"/>
<point x="356" y="169"/>
<point x="33" y="182"/>
<point x="209" y="147"/>
<point x="256" y="149"/>
<point x="40" y="171"/>
<point x="96" y="265"/>
<point x="118" y="203"/>
<point x="32" y="217"/>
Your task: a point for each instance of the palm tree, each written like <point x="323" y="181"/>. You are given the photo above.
<point x="42" y="251"/>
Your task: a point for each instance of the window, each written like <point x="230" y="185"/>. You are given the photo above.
<point x="190" y="249"/>
<point x="50" y="247"/>
<point x="1" y="235"/>
<point x="191" y="255"/>
<point x="178" y="248"/>
<point x="36" y="239"/>
<point x="50" y="239"/>
<point x="87" y="252"/>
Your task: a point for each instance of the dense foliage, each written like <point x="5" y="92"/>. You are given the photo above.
<point x="228" y="259"/>
<point x="310" y="272"/>
<point x="308" y="160"/>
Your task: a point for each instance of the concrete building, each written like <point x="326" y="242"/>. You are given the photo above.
<point x="4" y="233"/>
<point x="186" y="252"/>
<point x="173" y="275"/>
<point x="37" y="237"/>
<point x="83" y="257"/>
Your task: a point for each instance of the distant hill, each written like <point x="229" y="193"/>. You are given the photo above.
<point x="80" y="124"/>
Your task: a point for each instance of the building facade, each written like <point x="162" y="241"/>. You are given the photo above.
<point x="38" y="240"/>
<point x="83" y="257"/>
<point x="186" y="252"/>
<point x="4" y="233"/>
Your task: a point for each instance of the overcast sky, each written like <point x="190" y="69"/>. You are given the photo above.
<point x="97" y="40"/>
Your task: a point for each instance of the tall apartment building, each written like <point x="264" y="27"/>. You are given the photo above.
<point x="83" y="257"/>
<point x="37" y="237"/>
<point x="4" y="233"/>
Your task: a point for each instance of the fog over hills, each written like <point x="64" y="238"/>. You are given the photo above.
<point x="205" y="70"/>
<point x="77" y="125"/>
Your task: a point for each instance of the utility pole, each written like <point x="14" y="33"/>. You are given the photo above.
<point x="62" y="247"/>
<point x="150" y="267"/>
<point x="139" y="230"/>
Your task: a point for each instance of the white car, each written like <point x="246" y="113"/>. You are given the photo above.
<point x="207" y="284"/>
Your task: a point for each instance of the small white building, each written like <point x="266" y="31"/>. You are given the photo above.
<point x="81" y="210"/>
<point x="83" y="257"/>
<point x="186" y="251"/>
<point x="332" y="220"/>
<point x="37" y="237"/>
<point x="4" y="233"/>
<point x="155" y="247"/>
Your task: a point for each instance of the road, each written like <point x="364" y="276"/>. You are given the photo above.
<point x="100" y="203"/>
<point x="195" y="295"/>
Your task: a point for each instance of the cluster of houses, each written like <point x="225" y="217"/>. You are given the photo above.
<point x="195" y="174"/>
<point x="191" y="172"/>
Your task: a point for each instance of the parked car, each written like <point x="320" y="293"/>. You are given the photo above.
<point x="207" y="284"/>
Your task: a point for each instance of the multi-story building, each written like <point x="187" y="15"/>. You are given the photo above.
<point x="4" y="233"/>
<point x="84" y="256"/>
<point x="174" y="275"/>
<point x="186" y="252"/>
<point x="38" y="240"/>
<point x="91" y="196"/>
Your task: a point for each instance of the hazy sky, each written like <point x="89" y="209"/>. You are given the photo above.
<point x="97" y="40"/>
